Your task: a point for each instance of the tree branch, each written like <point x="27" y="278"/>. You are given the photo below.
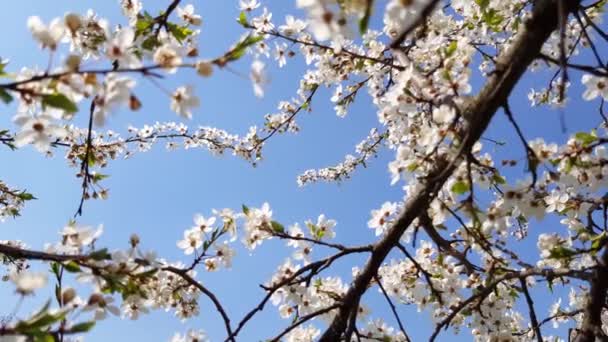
<point x="510" y="67"/>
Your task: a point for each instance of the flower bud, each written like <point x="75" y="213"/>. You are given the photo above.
<point x="134" y="103"/>
<point x="72" y="22"/>
<point x="134" y="240"/>
<point x="73" y="62"/>
<point x="68" y="295"/>
<point x="204" y="69"/>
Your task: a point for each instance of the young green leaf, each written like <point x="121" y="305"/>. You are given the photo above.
<point x="60" y="101"/>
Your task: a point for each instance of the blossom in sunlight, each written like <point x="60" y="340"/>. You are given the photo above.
<point x="381" y="218"/>
<point x="133" y="306"/>
<point x="248" y="5"/>
<point x="100" y="305"/>
<point x="183" y="101"/>
<point x="556" y="201"/>
<point x="225" y="253"/>
<point x="190" y="336"/>
<point x="80" y="236"/>
<point x="595" y="86"/>
<point x="48" y="36"/>
<point x="203" y="224"/>
<point x="323" y="22"/>
<point x="323" y="228"/>
<point x="115" y="91"/>
<point x="263" y="22"/>
<point x="303" y="334"/>
<point x="119" y="48"/>
<point x="40" y="131"/>
<point x="130" y="8"/>
<point x="191" y="242"/>
<point x="28" y="282"/>
<point x="168" y="57"/>
<point x="280" y="54"/>
<point x="258" y="77"/>
<point x="187" y="14"/>
<point x="292" y="26"/>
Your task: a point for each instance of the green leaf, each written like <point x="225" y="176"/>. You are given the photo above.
<point x="277" y="227"/>
<point x="460" y="188"/>
<point x="60" y="101"/>
<point x="36" y="323"/>
<point x="144" y="24"/>
<point x="91" y="160"/>
<point x="55" y="268"/>
<point x="101" y="254"/>
<point x="44" y="337"/>
<point x="493" y="19"/>
<point x="179" y="32"/>
<point x="585" y="138"/>
<point x="150" y="43"/>
<point x="569" y="164"/>
<point x="242" y="19"/>
<point x="498" y="179"/>
<point x="483" y="4"/>
<point x="597" y="242"/>
<point x="98" y="176"/>
<point x="5" y="96"/>
<point x="241" y="47"/>
<point x="3" y="64"/>
<point x="561" y="252"/>
<point x="412" y="167"/>
<point x="72" y="267"/>
<point x="147" y="274"/>
<point x="26" y="196"/>
<point x="245" y="209"/>
<point x="82" y="327"/>
<point x="449" y="51"/>
<point x="364" y="22"/>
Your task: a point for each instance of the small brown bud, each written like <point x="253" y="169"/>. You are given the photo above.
<point x="134" y="240"/>
<point x="134" y="103"/>
<point x="68" y="295"/>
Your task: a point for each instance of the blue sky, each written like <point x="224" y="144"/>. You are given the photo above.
<point x="155" y="194"/>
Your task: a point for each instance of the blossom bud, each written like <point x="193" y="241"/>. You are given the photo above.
<point x="134" y="240"/>
<point x="134" y="103"/>
<point x="192" y="52"/>
<point x="68" y="295"/>
<point x="204" y="69"/>
<point x="72" y="22"/>
<point x="73" y="62"/>
<point x="96" y="299"/>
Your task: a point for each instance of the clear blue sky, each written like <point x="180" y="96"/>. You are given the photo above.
<point x="155" y="194"/>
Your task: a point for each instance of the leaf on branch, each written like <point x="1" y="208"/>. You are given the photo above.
<point x="82" y="327"/>
<point x="26" y="196"/>
<point x="241" y="47"/>
<point x="460" y="188"/>
<point x="242" y="19"/>
<point x="72" y="267"/>
<point x="586" y="138"/>
<point x="450" y="49"/>
<point x="364" y="22"/>
<point x="561" y="252"/>
<point x="5" y="96"/>
<point x="277" y="227"/>
<point x="179" y="32"/>
<point x="59" y="101"/>
<point x="101" y="254"/>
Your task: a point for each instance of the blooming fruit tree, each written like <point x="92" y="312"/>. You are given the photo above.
<point x="450" y="246"/>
